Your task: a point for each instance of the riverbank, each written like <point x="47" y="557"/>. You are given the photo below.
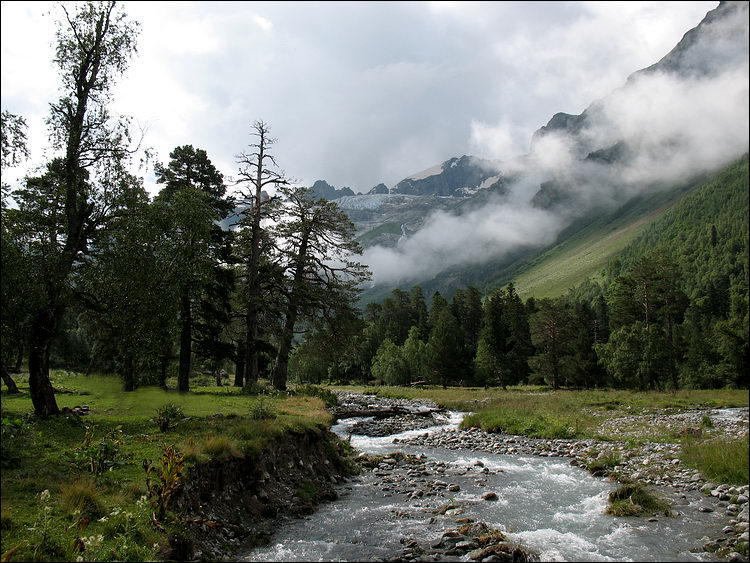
<point x="75" y="486"/>
<point x="634" y="459"/>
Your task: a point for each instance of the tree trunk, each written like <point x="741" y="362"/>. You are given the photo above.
<point x="40" y="387"/>
<point x="285" y="346"/>
<point x="251" y="353"/>
<point x="128" y="378"/>
<point x="186" y="342"/>
<point x="19" y="359"/>
<point x="239" y="371"/>
<point x="281" y="368"/>
<point x="8" y="380"/>
<point x="164" y="363"/>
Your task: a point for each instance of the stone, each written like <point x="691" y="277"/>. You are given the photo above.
<point x="711" y="546"/>
<point x="728" y="530"/>
<point x="489" y="496"/>
<point x="467" y="545"/>
<point x="705" y="509"/>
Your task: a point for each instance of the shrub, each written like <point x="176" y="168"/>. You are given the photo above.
<point x="81" y="495"/>
<point x="6" y="521"/>
<point x="168" y="415"/>
<point x="256" y="388"/>
<point x="261" y="410"/>
<point x="98" y="456"/>
<point x="169" y="479"/>
<point x="633" y="500"/>
<point x="12" y="434"/>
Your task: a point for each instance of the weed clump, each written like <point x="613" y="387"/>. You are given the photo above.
<point x="221" y="447"/>
<point x="82" y="496"/>
<point x="723" y="461"/>
<point x="633" y="500"/>
<point x="603" y="464"/>
<point x="261" y="410"/>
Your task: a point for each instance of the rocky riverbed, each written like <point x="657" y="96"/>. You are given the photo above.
<point x="652" y="463"/>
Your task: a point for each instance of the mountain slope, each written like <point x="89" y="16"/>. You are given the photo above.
<point x="679" y="219"/>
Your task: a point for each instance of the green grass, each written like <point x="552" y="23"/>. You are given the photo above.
<point x="541" y="412"/>
<point x="219" y="425"/>
<point x="722" y="461"/>
<point x="633" y="500"/>
<point x="583" y="255"/>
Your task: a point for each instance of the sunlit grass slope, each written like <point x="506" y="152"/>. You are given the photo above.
<point x="584" y="254"/>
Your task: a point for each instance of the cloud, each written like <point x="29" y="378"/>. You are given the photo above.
<point x="263" y="23"/>
<point x="447" y="240"/>
<point x="357" y="93"/>
<point x="674" y="126"/>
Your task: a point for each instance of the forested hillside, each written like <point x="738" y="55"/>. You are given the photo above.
<point x="669" y="311"/>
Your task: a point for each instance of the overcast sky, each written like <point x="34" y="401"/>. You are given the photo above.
<point x="356" y="93"/>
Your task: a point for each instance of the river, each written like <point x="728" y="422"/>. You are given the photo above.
<point x="543" y="503"/>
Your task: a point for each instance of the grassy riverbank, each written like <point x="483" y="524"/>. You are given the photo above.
<point x="91" y="467"/>
<point x="540" y="412"/>
<point x="543" y="413"/>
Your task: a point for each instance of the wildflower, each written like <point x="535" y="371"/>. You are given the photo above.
<point x="156" y="546"/>
<point x="44" y="495"/>
<point x="128" y="515"/>
<point x="116" y="511"/>
<point x="103" y="519"/>
<point x="79" y="558"/>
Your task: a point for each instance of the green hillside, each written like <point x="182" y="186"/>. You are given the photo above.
<point x="584" y="255"/>
<point x="706" y="233"/>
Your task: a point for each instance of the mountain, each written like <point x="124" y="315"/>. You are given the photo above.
<point x="323" y="189"/>
<point x="704" y="51"/>
<point x="378" y="190"/>
<point x="617" y="176"/>
<point x="458" y="177"/>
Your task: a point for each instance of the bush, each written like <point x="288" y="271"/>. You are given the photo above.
<point x="168" y="415"/>
<point x="256" y="388"/>
<point x="82" y="496"/>
<point x="12" y="435"/>
<point x="162" y="484"/>
<point x="99" y="456"/>
<point x="261" y="410"/>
